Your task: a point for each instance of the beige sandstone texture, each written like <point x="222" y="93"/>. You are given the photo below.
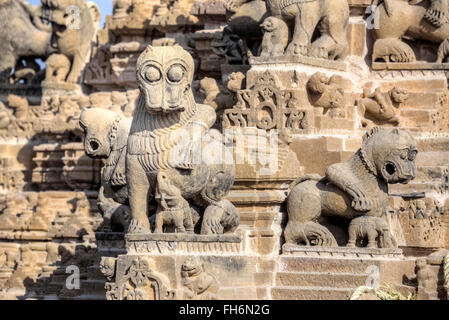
<point x="230" y="149"/>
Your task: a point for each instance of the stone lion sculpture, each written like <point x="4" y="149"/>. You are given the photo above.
<point x="329" y="18"/>
<point x="358" y="187"/>
<point x="106" y="137"/>
<point x="171" y="141"/>
<point x="397" y="19"/>
<point x="23" y="35"/>
<point x="371" y="229"/>
<point x="275" y="38"/>
<point x="198" y="284"/>
<point x="74" y="27"/>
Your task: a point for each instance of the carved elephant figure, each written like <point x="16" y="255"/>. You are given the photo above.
<point x="370" y="228"/>
<point x="22" y="35"/>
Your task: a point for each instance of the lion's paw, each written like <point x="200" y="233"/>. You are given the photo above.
<point x="361" y="203"/>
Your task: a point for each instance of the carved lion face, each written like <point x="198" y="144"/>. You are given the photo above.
<point x="399" y="94"/>
<point x="164" y="76"/>
<point x="393" y="153"/>
<point x="96" y="124"/>
<point x="191" y="266"/>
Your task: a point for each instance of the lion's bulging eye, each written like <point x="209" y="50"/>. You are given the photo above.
<point x="412" y="155"/>
<point x="175" y="73"/>
<point x="152" y="74"/>
<point x="404" y="154"/>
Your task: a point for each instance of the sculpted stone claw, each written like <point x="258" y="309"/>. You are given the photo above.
<point x="389" y="45"/>
<point x="360" y="201"/>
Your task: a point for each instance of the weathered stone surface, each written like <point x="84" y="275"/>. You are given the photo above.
<point x="101" y="137"/>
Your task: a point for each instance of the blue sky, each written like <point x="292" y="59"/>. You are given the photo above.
<point x="104" y="5"/>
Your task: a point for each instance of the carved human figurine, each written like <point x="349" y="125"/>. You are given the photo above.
<point x="198" y="284"/>
<point x="106" y="137"/>
<point x="275" y="38"/>
<point x="371" y="229"/>
<point x="379" y="107"/>
<point x="355" y="188"/>
<point x="407" y="20"/>
<point x="418" y="210"/>
<point x="427" y="280"/>
<point x="168" y="135"/>
<point x="73" y="30"/>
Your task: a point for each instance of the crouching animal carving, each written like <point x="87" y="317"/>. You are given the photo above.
<point x="172" y="153"/>
<point x="370" y="228"/>
<point x="74" y="26"/>
<point x="106" y="137"/>
<point x="358" y="187"/>
<point x="379" y="107"/>
<point x="403" y="19"/>
<point x="198" y="284"/>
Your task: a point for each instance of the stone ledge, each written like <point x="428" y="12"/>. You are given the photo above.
<point x="343" y="252"/>
<point x="188" y="243"/>
<point x="295" y="59"/>
<point x="410" y="66"/>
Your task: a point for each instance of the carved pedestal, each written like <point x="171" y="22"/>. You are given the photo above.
<point x="180" y="266"/>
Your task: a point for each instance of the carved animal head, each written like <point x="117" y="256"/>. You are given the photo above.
<point x="164" y="76"/>
<point x="269" y="24"/>
<point x="399" y="94"/>
<point x="317" y="83"/>
<point x="236" y="81"/>
<point x="192" y="266"/>
<point x="58" y="11"/>
<point x="104" y="132"/>
<point x="390" y="154"/>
